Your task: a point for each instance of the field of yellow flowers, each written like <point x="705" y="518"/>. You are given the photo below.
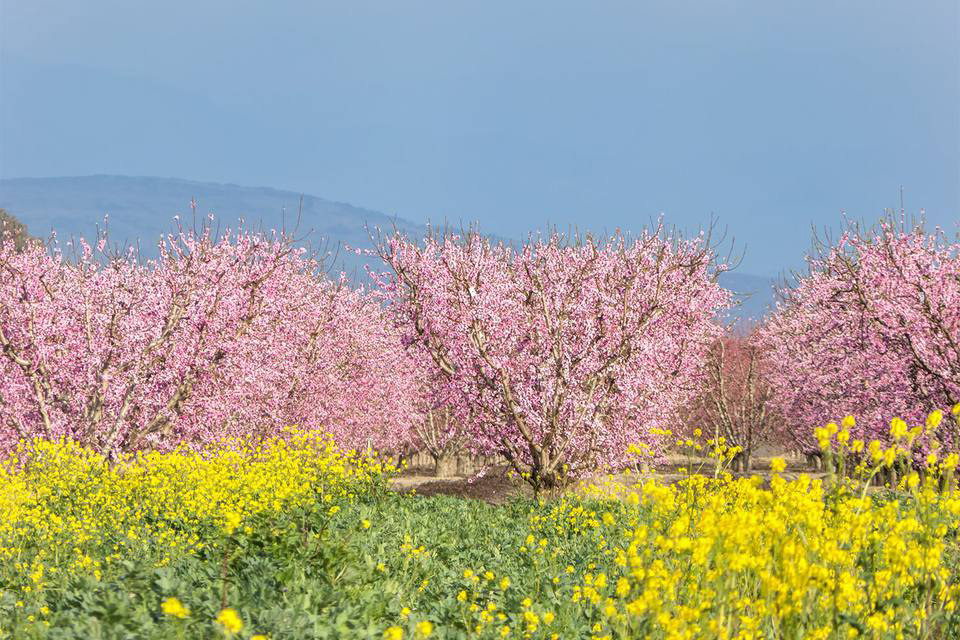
<point x="295" y="539"/>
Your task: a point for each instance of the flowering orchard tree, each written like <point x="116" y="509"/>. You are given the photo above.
<point x="342" y="366"/>
<point x="233" y="336"/>
<point x="873" y="330"/>
<point x="441" y="432"/>
<point x="561" y="354"/>
<point x="735" y="400"/>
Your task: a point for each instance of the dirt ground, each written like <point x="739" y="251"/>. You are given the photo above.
<point x="496" y="487"/>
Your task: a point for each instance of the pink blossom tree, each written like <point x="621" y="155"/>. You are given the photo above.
<point x="560" y="354"/>
<point x="342" y="366"/>
<point x="872" y="330"/>
<point x="734" y="401"/>
<point x="231" y="336"/>
<point x="441" y="432"/>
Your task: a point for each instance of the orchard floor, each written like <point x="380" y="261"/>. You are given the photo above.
<point x="149" y="552"/>
<point x="496" y="487"/>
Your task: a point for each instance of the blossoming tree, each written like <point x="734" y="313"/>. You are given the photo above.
<point x="872" y="330"/>
<point x="441" y="432"/>
<point x="735" y="400"/>
<point x="562" y="353"/>
<point x="342" y="367"/>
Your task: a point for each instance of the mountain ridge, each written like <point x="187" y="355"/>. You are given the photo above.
<point x="143" y="207"/>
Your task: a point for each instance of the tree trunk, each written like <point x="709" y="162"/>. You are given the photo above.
<point x="741" y="462"/>
<point x="444" y="465"/>
<point x="464" y="465"/>
<point x="544" y="481"/>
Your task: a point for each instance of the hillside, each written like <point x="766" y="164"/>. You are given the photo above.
<point x="143" y="207"/>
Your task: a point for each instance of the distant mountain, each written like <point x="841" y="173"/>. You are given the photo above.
<point x="142" y="208"/>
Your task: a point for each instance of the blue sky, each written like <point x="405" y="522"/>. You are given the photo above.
<point x="771" y="115"/>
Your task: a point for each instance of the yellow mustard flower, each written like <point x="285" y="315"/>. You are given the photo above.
<point x="173" y="607"/>
<point x="393" y="633"/>
<point x="230" y="620"/>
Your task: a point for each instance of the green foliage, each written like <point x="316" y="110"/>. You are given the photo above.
<point x="384" y="560"/>
<point x="10" y="227"/>
<point x="299" y="575"/>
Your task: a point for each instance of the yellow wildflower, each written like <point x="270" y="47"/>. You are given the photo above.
<point x="173" y="607"/>
<point x="230" y="620"/>
<point x="393" y="633"/>
<point x="898" y="428"/>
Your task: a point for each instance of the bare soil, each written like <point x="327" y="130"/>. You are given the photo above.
<point x="496" y="487"/>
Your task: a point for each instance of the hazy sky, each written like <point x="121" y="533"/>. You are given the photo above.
<point x="771" y="115"/>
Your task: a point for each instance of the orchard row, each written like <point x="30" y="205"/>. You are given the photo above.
<point x="561" y="355"/>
